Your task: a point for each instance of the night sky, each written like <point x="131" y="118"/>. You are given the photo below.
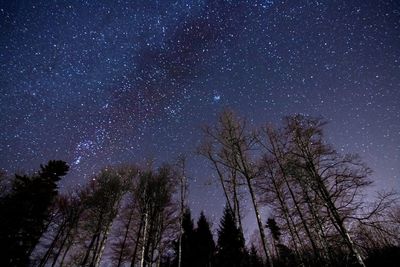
<point x="98" y="83"/>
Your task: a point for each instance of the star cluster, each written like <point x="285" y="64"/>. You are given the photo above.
<point x="98" y="83"/>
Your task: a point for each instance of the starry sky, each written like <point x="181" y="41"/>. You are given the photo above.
<point x="98" y="83"/>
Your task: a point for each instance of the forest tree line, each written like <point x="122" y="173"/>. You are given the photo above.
<point x="319" y="212"/>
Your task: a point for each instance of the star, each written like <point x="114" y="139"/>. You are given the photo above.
<point x="103" y="83"/>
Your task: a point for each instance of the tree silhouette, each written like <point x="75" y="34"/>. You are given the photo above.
<point x="230" y="144"/>
<point x="25" y="212"/>
<point x="274" y="228"/>
<point x="230" y="246"/>
<point x="204" y="243"/>
<point x="101" y="209"/>
<point x="66" y="211"/>
<point x="254" y="259"/>
<point x="156" y="204"/>
<point x="188" y="241"/>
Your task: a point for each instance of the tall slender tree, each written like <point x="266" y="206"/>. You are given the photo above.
<point x="328" y="174"/>
<point x="324" y="187"/>
<point x="231" y="145"/>
<point x="157" y="207"/>
<point x="102" y="207"/>
<point x="183" y="194"/>
<point x="68" y="209"/>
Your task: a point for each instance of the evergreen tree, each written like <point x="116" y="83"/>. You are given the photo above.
<point x="204" y="243"/>
<point x="276" y="234"/>
<point x="254" y="258"/>
<point x="188" y="251"/>
<point x="25" y="212"/>
<point x="230" y="246"/>
<point x="274" y="228"/>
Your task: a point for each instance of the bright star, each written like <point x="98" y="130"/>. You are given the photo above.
<point x="216" y="98"/>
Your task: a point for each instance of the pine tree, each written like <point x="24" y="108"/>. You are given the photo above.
<point x="254" y="258"/>
<point x="275" y="232"/>
<point x="25" y="212"/>
<point x="188" y="242"/>
<point x="230" y="246"/>
<point x="204" y="243"/>
<point x="274" y="228"/>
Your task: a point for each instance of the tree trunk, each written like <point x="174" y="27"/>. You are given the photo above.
<point x="183" y="196"/>
<point x="248" y="178"/>
<point x="124" y="240"/>
<point x="102" y="245"/>
<point x="143" y="260"/>
<point x="61" y="246"/>
<point x="95" y="251"/>
<point x="311" y="168"/>
<point x="221" y="179"/>
<point x="136" y="243"/>
<point x="259" y="223"/>
<point x="288" y="218"/>
<point x="64" y="255"/>
<point x="236" y="206"/>
<point x="46" y="256"/>
<point x="89" y="249"/>
<point x="338" y="222"/>
<point x="278" y="156"/>
<point x="317" y="222"/>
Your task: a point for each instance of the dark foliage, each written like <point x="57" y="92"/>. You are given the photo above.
<point x="230" y="246"/>
<point x="254" y="260"/>
<point x="387" y="256"/>
<point x="25" y="212"/>
<point x="321" y="217"/>
<point x="286" y="257"/>
<point x="204" y="243"/>
<point x="188" y="242"/>
<point x="274" y="228"/>
<point x="198" y="247"/>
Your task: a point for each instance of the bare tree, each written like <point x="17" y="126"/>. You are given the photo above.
<point x="102" y="207"/>
<point x="67" y="210"/>
<point x="326" y="170"/>
<point x="207" y="149"/>
<point x="316" y="192"/>
<point x="127" y="221"/>
<point x="154" y="195"/>
<point x="273" y="192"/>
<point x="231" y="146"/>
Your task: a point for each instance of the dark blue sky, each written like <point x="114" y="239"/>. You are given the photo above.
<point x="97" y="83"/>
